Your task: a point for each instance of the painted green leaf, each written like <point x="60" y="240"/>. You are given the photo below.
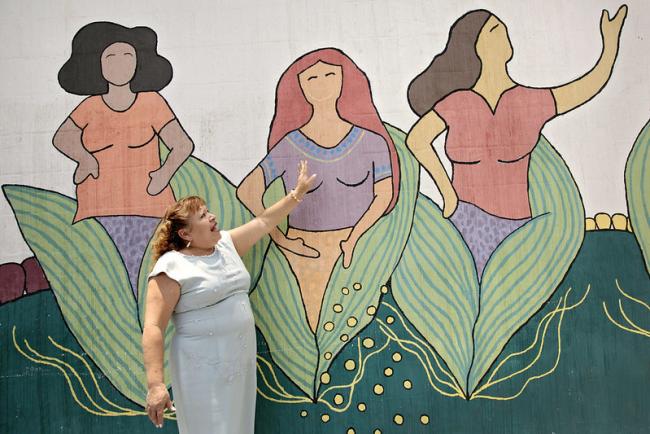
<point x="528" y="266"/>
<point x="436" y="284"/>
<point x="89" y="281"/>
<point x="637" y="189"/>
<point x="278" y="305"/>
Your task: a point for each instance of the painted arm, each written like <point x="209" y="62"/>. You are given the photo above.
<point x="250" y="192"/>
<point x="383" y="191"/>
<point x="67" y="140"/>
<point x="162" y="295"/>
<point x="578" y="92"/>
<point x="181" y="147"/>
<point x="419" y="141"/>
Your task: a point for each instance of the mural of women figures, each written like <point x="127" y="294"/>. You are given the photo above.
<point x="493" y="125"/>
<point x="113" y="134"/>
<point x="325" y="114"/>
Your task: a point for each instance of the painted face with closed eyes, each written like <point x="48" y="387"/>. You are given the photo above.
<point x="321" y="82"/>
<point x="118" y="63"/>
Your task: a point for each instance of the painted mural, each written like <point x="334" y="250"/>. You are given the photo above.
<point x="503" y="309"/>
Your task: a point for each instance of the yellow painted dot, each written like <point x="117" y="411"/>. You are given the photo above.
<point x="327" y="355"/>
<point x="325" y="378"/>
<point x="337" y="308"/>
<point x="378" y="389"/>
<point x="352" y="321"/>
<point x="368" y="343"/>
<point x="338" y="399"/>
<point x="350" y="365"/>
<point x="377" y="431"/>
<point x="407" y="385"/>
<point x="390" y="319"/>
<point x="303" y="413"/>
<point x="345" y="291"/>
<point x="325" y="418"/>
<point x="397" y="357"/>
<point x="388" y="372"/>
<point x="371" y="310"/>
<point x="384" y="289"/>
<point x="329" y="326"/>
<point x="398" y="419"/>
<point x="345" y="337"/>
<point x="350" y="431"/>
<point x="361" y="406"/>
<point x="357" y="286"/>
<point x="424" y="419"/>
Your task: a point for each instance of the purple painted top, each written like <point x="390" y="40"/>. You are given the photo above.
<point x="346" y="175"/>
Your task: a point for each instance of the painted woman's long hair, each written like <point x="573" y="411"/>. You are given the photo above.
<point x="355" y="104"/>
<point x="456" y="68"/>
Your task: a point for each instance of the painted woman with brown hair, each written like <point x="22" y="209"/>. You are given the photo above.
<point x="492" y="124"/>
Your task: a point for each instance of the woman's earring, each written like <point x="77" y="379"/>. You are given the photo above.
<point x="188" y="244"/>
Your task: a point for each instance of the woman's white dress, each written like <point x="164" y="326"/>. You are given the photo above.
<point x="213" y="352"/>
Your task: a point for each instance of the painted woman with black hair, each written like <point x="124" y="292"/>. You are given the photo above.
<point x="113" y="135"/>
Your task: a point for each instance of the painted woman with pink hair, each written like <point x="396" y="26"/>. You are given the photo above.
<point x="324" y="114"/>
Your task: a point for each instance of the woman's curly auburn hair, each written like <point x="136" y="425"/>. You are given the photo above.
<point x="177" y="217"/>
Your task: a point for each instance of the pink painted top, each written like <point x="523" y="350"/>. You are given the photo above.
<point x="490" y="151"/>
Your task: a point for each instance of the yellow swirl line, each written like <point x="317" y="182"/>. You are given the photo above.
<point x="629" y="321"/>
<point x="630" y="297"/>
<point x="548" y="316"/>
<point x="65" y="374"/>
<point x="534" y="377"/>
<point x="620" y="325"/>
<point x="283" y="401"/>
<point x="54" y="362"/>
<point x="90" y="371"/>
<point x="281" y="392"/>
<point x="427" y="346"/>
<point x="428" y="370"/>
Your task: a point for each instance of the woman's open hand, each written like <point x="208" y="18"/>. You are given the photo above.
<point x="304" y="180"/>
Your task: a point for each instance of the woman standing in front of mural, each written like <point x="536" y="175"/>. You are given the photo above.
<point x="324" y="113"/>
<point x="113" y="134"/>
<point x="200" y="278"/>
<point x="493" y="125"/>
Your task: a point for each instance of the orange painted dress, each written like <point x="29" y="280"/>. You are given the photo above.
<point x="125" y="145"/>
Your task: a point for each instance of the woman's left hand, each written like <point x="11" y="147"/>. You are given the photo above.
<point x="157" y="402"/>
<point x="159" y="180"/>
<point x="304" y="180"/>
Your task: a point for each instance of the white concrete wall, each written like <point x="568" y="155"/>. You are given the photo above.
<point x="228" y="55"/>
